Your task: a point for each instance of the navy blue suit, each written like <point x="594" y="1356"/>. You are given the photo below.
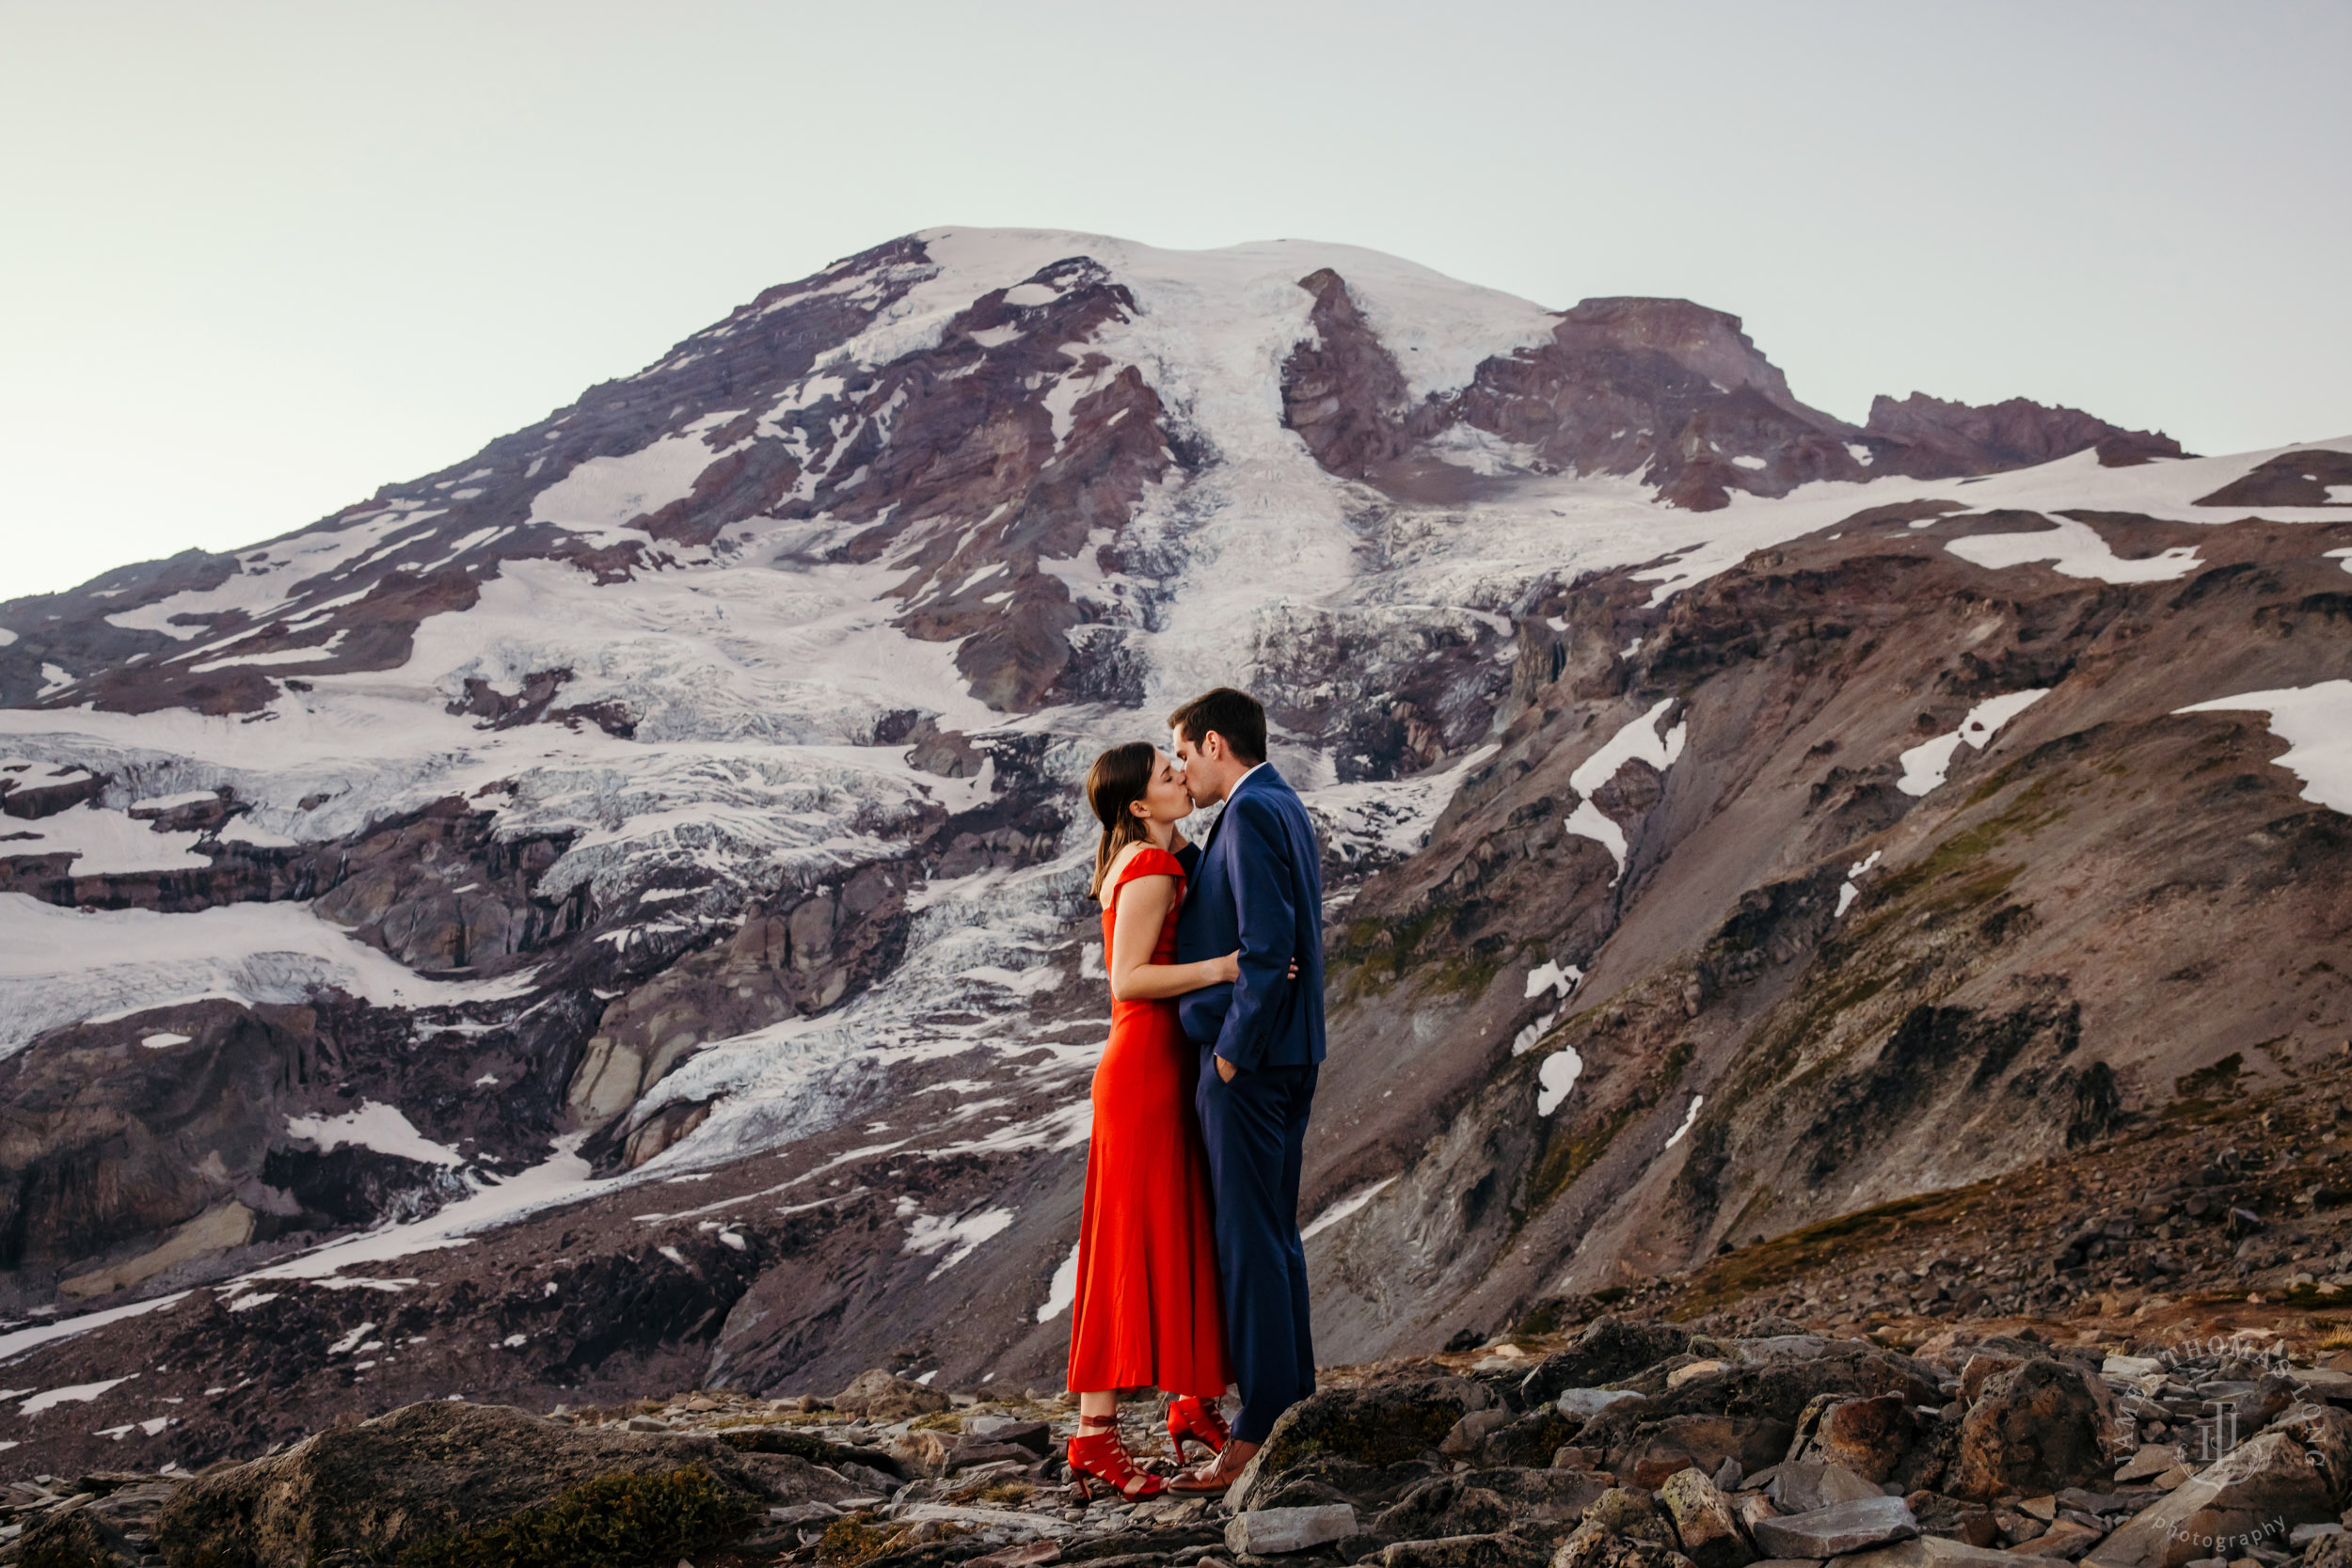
<point x="1257" y="885"/>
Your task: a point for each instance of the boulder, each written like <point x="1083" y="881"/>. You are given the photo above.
<point x="1841" y="1528"/>
<point x="1608" y="1350"/>
<point x="1981" y="1368"/>
<point x="381" y="1486"/>
<point x="1953" y="1517"/>
<point x="1541" y="1494"/>
<point x="1531" y="1440"/>
<point x="1375" y="1425"/>
<point x="2297" y="1472"/>
<point x="1869" y="1436"/>
<point x="934" y="1453"/>
<point x="1595" y="1546"/>
<point x="1704" y="1521"/>
<point x="1442" y="1507"/>
<point x="1802" y="1485"/>
<point x="1273" y="1531"/>
<point x="1469" y="1435"/>
<point x="2149" y="1462"/>
<point x="1585" y="1403"/>
<point x="1657" y="1450"/>
<point x="2038" y="1426"/>
<point x="76" y="1536"/>
<point x="1500" y="1550"/>
<point x="881" y="1396"/>
<point x="1623" y="1511"/>
<point x="1034" y="1436"/>
<point x="1776" y="1391"/>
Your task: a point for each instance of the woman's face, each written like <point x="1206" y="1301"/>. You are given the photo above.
<point x="1164" y="797"/>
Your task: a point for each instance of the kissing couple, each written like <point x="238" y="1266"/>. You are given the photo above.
<point x="1191" y="1273"/>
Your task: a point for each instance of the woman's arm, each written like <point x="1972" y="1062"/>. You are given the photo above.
<point x="1142" y="911"/>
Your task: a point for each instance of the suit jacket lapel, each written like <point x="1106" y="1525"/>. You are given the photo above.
<point x="1210" y="843"/>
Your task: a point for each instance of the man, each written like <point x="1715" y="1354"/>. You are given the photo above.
<point x="1255" y="886"/>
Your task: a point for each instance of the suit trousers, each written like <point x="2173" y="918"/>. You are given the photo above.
<point x="1255" y="1128"/>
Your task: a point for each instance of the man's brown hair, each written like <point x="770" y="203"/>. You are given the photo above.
<point x="1234" y="715"/>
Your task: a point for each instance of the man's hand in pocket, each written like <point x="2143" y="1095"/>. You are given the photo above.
<point x="1226" y="1070"/>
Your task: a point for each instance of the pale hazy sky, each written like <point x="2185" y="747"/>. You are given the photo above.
<point x="258" y="259"/>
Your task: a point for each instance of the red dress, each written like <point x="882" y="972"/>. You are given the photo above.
<point x="1146" y="1314"/>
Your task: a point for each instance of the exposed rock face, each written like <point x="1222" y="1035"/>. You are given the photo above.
<point x="2035" y="1428"/>
<point x="641" y="863"/>
<point x="1939" y="439"/>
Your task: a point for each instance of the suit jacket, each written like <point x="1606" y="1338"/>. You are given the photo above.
<point x="1257" y="885"/>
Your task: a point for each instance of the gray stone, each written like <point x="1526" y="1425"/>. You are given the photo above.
<point x="1034" y="1436"/>
<point x="1803" y="1485"/>
<point x="1841" y="1528"/>
<point x="1272" y="1532"/>
<point x="1585" y="1404"/>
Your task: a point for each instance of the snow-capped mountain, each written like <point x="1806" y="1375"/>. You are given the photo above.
<point x="619" y="901"/>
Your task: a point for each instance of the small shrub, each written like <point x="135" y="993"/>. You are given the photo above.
<point x="939" y="1420"/>
<point x="617" y="1521"/>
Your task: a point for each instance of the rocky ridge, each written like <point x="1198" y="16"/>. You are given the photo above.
<point x="1618" y="1440"/>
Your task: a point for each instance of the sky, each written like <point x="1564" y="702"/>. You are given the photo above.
<point x="257" y="260"/>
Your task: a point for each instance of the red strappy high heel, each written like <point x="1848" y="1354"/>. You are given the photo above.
<point x="1097" y="1452"/>
<point x="1191" y="1419"/>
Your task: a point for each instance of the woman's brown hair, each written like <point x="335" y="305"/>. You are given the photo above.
<point x="1116" y="782"/>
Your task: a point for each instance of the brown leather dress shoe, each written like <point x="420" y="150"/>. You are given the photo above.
<point x="1219" y="1473"/>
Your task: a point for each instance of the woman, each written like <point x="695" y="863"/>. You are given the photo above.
<point x="1146" y="1314"/>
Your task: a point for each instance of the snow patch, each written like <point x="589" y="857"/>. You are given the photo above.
<point x="1556" y="1078"/>
<point x="1551" y="974"/>
<point x="1062" y="1289"/>
<point x="1847" y="891"/>
<point x="2316" y="723"/>
<point x="1926" y="764"/>
<point x="1688" y="1118"/>
<point x="1635" y="741"/>
<point x="1345" y="1207"/>
<point x="373" y="1125"/>
<point x="961" y="1236"/>
<point x="79" y="1393"/>
<point x="2073" y="550"/>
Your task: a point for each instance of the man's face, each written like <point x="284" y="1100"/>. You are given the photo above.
<point x="1194" y="767"/>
